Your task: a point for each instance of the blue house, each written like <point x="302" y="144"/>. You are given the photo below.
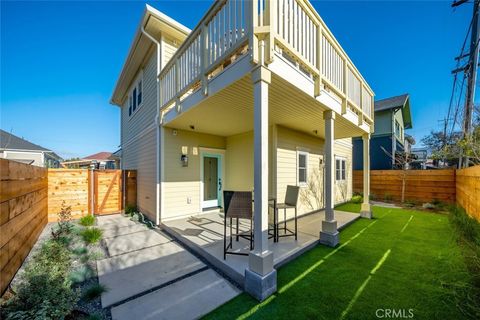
<point x="392" y="117"/>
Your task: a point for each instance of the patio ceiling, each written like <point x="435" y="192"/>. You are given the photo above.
<point x="230" y="111"/>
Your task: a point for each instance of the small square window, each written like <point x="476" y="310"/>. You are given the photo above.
<point x="340" y="169"/>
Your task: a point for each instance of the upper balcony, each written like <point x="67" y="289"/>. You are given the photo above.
<point x="287" y="31"/>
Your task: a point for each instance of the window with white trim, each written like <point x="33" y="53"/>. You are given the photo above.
<point x="340" y="169"/>
<point x="302" y="167"/>
<point x="135" y="98"/>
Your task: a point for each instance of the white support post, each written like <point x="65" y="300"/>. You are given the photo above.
<point x="260" y="276"/>
<point x="329" y="234"/>
<point x="366" y="210"/>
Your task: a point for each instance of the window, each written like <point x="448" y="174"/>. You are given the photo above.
<point x="139" y="90"/>
<point x="340" y="169"/>
<point x="302" y="167"/>
<point x="398" y="130"/>
<point x="135" y="98"/>
<point x="130" y="106"/>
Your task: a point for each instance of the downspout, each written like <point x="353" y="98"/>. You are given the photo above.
<point x="157" y="127"/>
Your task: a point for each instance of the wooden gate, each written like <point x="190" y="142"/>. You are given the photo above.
<point x="107" y="190"/>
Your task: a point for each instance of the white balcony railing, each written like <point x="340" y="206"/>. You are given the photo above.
<point x="292" y="25"/>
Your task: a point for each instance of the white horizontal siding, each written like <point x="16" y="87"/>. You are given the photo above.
<point x="140" y="155"/>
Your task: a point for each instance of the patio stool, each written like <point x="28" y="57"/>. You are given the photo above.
<point x="238" y="205"/>
<point x="291" y="199"/>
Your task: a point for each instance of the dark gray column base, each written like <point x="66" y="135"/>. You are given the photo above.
<point x="260" y="287"/>
<point x="329" y="239"/>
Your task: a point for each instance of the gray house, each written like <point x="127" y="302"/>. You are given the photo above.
<point x="392" y="118"/>
<point x="21" y="150"/>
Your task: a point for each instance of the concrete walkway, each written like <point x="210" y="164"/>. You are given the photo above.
<point x="150" y="276"/>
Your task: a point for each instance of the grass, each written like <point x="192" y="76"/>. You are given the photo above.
<point x="349" y="207"/>
<point x="91" y="235"/>
<point x="402" y="260"/>
<point x="87" y="220"/>
<point x="94" y="292"/>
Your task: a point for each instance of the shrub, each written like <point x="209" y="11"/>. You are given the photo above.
<point x="465" y="225"/>
<point x="94" y="292"/>
<point x="87" y="221"/>
<point x="45" y="291"/>
<point x="357" y="199"/>
<point x="91" y="235"/>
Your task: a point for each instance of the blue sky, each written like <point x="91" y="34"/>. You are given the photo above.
<point x="60" y="61"/>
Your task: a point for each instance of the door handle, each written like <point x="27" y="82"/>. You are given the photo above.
<point x="219" y="184"/>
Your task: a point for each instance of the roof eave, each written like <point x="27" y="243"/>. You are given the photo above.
<point x="149" y="11"/>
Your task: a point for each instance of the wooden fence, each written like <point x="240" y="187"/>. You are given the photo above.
<point x="468" y="190"/>
<point x="90" y="191"/>
<point x="70" y="186"/>
<point x="420" y="185"/>
<point x="460" y="186"/>
<point x="23" y="214"/>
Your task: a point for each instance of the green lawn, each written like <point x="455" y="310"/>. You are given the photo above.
<point x="402" y="259"/>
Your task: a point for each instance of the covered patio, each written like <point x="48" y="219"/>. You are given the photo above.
<point x="203" y="234"/>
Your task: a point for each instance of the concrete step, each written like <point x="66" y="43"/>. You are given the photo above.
<point x="123" y="230"/>
<point x="189" y="298"/>
<point x="134" y="241"/>
<point x="132" y="273"/>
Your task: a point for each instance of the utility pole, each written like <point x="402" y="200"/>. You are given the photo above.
<point x="471" y="70"/>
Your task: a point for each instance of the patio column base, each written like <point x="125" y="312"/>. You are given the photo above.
<point x="329" y="235"/>
<point x="260" y="287"/>
<point x="366" y="211"/>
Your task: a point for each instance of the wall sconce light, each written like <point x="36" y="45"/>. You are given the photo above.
<point x="184" y="160"/>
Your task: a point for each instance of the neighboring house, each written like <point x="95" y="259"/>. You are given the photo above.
<point x="101" y="160"/>
<point x="421" y="158"/>
<point x="21" y="150"/>
<point x="392" y="118"/>
<point x="228" y="107"/>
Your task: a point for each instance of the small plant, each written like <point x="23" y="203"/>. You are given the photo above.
<point x="388" y="197"/>
<point x="130" y="210"/>
<point x="65" y="218"/>
<point x="410" y="203"/>
<point x="87" y="221"/>
<point x="94" y="292"/>
<point x="465" y="225"/>
<point x="78" y="251"/>
<point x="81" y="274"/>
<point x="357" y="199"/>
<point x="91" y="235"/>
<point x="428" y="206"/>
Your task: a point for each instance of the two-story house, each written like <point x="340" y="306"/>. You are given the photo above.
<point x="392" y="118"/>
<point x="258" y="97"/>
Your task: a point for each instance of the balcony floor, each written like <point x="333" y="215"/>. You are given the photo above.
<point x="203" y="234"/>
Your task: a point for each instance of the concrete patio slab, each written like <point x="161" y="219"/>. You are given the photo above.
<point x="134" y="241"/>
<point x="204" y="235"/>
<point x="114" y="221"/>
<point x="132" y="273"/>
<point x="189" y="298"/>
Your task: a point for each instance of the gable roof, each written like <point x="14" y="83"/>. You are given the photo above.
<point x="154" y="23"/>
<point x="10" y="141"/>
<point x="104" y="155"/>
<point x="398" y="102"/>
